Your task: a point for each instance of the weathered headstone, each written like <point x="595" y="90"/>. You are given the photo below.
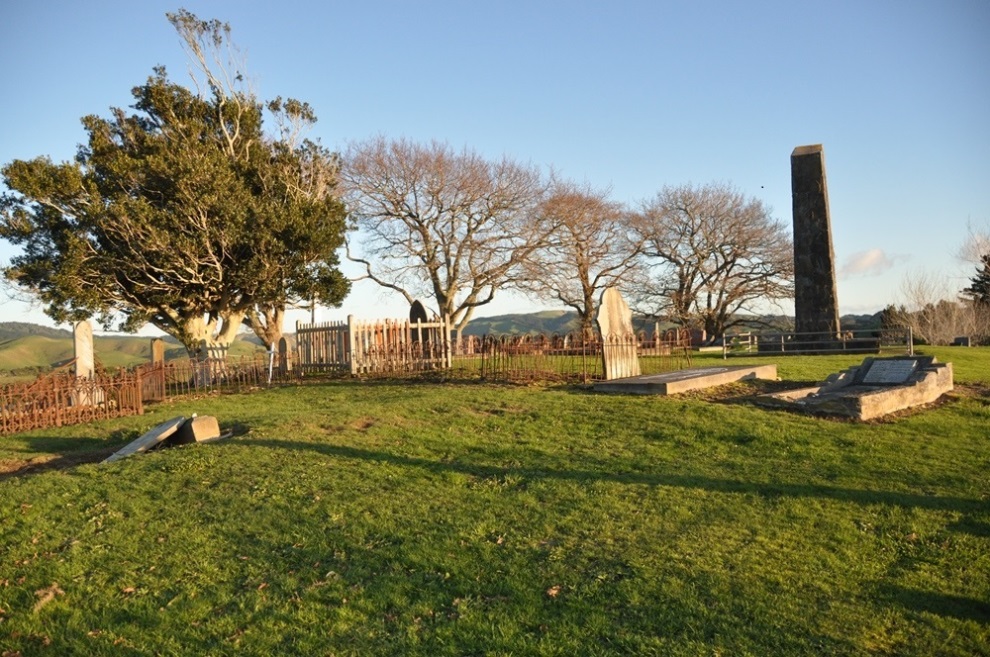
<point x="284" y="359"/>
<point x="417" y="312"/>
<point x="157" y="351"/>
<point x="426" y="339"/>
<point x="816" y="305"/>
<point x="197" y="429"/>
<point x="614" y="319"/>
<point x="82" y="344"/>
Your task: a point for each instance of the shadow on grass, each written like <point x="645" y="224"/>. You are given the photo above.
<point x="938" y="603"/>
<point x="971" y="526"/>
<point x="43" y="453"/>
<point x="769" y="490"/>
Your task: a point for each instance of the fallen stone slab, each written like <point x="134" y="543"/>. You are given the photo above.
<point x="672" y="383"/>
<point x="149" y="440"/>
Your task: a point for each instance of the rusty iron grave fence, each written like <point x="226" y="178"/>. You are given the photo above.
<point x="567" y="359"/>
<point x="375" y="349"/>
<point x="60" y="398"/>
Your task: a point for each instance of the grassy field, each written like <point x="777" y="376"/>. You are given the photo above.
<point x="369" y="518"/>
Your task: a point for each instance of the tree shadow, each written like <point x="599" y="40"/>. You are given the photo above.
<point x="940" y="604"/>
<point x="95" y="452"/>
<point x="968" y="525"/>
<point x="699" y="482"/>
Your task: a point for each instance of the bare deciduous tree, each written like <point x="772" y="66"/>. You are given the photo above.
<point x="710" y="254"/>
<point x="976" y="245"/>
<point x="592" y="249"/>
<point x="451" y="225"/>
<point x="935" y="312"/>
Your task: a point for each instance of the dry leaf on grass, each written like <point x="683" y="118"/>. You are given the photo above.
<point x="46" y="595"/>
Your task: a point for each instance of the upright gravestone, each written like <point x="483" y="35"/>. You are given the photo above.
<point x="417" y="313"/>
<point x="816" y="305"/>
<point x="82" y="343"/>
<point x="284" y="359"/>
<point x="157" y="351"/>
<point x="614" y="319"/>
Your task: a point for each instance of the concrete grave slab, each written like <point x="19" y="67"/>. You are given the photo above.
<point x="877" y="387"/>
<point x="150" y="440"/>
<point x="672" y="383"/>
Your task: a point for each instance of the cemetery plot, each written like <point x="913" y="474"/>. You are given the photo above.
<point x="671" y="383"/>
<point x="876" y="387"/>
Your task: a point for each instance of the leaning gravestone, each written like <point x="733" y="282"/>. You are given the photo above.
<point x="619" y="358"/>
<point x="816" y="305"/>
<point x="150" y="440"/>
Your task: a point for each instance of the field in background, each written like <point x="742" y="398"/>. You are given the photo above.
<point x="355" y="518"/>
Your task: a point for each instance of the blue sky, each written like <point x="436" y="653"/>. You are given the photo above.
<point x="627" y="95"/>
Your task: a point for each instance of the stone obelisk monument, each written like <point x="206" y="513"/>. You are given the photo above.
<point x="816" y="305"/>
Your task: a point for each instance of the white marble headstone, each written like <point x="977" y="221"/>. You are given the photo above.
<point x="618" y="338"/>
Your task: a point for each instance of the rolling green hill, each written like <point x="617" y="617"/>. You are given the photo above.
<point x="24" y="350"/>
<point x="546" y="322"/>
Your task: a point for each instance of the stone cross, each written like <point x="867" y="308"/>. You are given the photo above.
<point x="614" y="319"/>
<point x="816" y="305"/>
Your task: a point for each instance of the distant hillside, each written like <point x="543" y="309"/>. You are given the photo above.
<point x="545" y="322"/>
<point x="30" y="347"/>
<point x="564" y="321"/>
<point x="12" y="330"/>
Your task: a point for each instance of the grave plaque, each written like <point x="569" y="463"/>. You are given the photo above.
<point x="619" y="358"/>
<point x="890" y="372"/>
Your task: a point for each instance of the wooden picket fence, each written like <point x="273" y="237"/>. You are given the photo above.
<point x="376" y="347"/>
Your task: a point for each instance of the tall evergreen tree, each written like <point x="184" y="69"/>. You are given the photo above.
<point x="980" y="287"/>
<point x="185" y="214"/>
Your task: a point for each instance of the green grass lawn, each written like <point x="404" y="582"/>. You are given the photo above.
<point x="369" y="518"/>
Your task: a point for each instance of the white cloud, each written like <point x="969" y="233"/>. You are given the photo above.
<point x="867" y="263"/>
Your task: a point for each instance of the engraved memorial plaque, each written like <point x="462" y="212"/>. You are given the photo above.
<point x="890" y="372"/>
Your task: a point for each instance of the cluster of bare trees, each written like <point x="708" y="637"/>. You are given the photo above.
<point x="936" y="312"/>
<point x="456" y="227"/>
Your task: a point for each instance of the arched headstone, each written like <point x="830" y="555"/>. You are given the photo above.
<point x="417" y="312"/>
